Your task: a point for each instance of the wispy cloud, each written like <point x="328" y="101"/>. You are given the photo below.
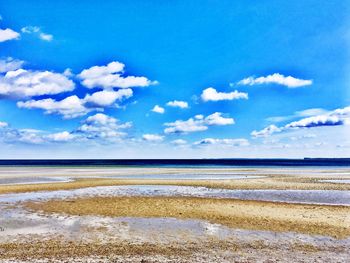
<point x="10" y="64"/>
<point x="38" y="32"/>
<point x="298" y="114"/>
<point x="179" y="142"/>
<point x="222" y="142"/>
<point x="98" y="128"/>
<point x="276" y="78"/>
<point x="102" y="126"/>
<point x="152" y="137"/>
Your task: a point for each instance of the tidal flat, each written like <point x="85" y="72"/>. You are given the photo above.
<point x="167" y="214"/>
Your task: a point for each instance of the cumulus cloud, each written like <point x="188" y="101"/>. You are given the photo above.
<point x="333" y="118"/>
<point x="110" y="76"/>
<point x="152" y="137"/>
<point x="223" y="142"/>
<point x="22" y="83"/>
<point x="158" y="109"/>
<point x="8" y="34"/>
<point x="198" y="123"/>
<point x="211" y="94"/>
<point x="73" y="106"/>
<point x="178" y="103"/>
<point x="276" y="78"/>
<point x="37" y="31"/>
<point x="217" y="119"/>
<point x="102" y="126"/>
<point x="106" y="98"/>
<point x="10" y="64"/>
<point x="69" y="107"/>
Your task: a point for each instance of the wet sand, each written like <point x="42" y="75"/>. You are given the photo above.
<point x="307" y="219"/>
<point x="91" y="219"/>
<point x="277" y="183"/>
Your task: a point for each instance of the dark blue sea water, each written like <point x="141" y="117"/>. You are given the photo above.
<point x="182" y="162"/>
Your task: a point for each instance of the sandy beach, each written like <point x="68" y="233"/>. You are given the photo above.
<point x="174" y="215"/>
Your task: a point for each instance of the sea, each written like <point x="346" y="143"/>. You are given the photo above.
<point x="307" y="162"/>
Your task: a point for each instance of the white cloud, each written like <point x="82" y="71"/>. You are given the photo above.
<point x="158" y="109"/>
<point x="279" y="118"/>
<point x="69" y="107"/>
<point x="303" y="113"/>
<point x="316" y="121"/>
<point x="60" y="137"/>
<point x="328" y="118"/>
<point x="46" y="37"/>
<point x="72" y="106"/>
<point x="276" y="78"/>
<point x="3" y="124"/>
<point x="22" y="83"/>
<point x="8" y="34"/>
<point x="10" y="64"/>
<point x="30" y="29"/>
<point x="266" y="131"/>
<point x="210" y="94"/>
<point x="217" y="119"/>
<point x="98" y="71"/>
<point x="106" y="98"/>
<point x="31" y="138"/>
<point x="179" y="142"/>
<point x="311" y="112"/>
<point x="18" y="83"/>
<point x="178" y="103"/>
<point x="10" y="135"/>
<point x="110" y="76"/>
<point x="68" y="72"/>
<point x="152" y="137"/>
<point x="337" y="117"/>
<point x="223" y="142"/>
<point x="180" y="126"/>
<point x="37" y="31"/>
<point x="98" y="128"/>
<point x="102" y="126"/>
<point x="199" y="123"/>
<point x="199" y="117"/>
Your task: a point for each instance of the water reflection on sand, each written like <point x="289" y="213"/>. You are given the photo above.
<point x="321" y="197"/>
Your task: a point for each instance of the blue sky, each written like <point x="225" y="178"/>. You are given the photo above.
<point x="244" y="79"/>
